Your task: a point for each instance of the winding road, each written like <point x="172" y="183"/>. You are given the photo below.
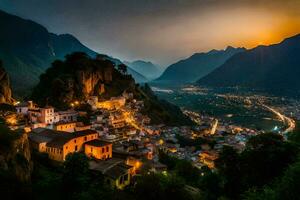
<point x="290" y="123"/>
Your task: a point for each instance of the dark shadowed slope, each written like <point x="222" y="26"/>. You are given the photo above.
<point x="274" y="68"/>
<point x="197" y="66"/>
<point x="27" y="49"/>
<point x="147" y="69"/>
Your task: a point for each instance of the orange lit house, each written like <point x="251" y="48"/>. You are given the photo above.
<point x="70" y="126"/>
<point x="208" y="158"/>
<point x="116" y="173"/>
<point x="98" y="149"/>
<point x="65" y="126"/>
<point x="58" y="144"/>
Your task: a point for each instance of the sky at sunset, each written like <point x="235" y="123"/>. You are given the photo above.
<point x="163" y="31"/>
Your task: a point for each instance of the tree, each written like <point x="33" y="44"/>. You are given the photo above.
<point x="122" y="68"/>
<point x="210" y="185"/>
<point x="149" y="187"/>
<point x="266" y="157"/>
<point x="170" y="161"/>
<point x="75" y="173"/>
<point x="188" y="172"/>
<point x="285" y="187"/>
<point x="158" y="187"/>
<point x="228" y="165"/>
<point x="288" y="186"/>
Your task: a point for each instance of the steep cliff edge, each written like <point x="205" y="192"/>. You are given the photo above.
<point x="15" y="156"/>
<point x="5" y="89"/>
<point x="77" y="78"/>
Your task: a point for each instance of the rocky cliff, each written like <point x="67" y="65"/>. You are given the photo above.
<point x="15" y="156"/>
<point x="5" y="90"/>
<point x="77" y="78"/>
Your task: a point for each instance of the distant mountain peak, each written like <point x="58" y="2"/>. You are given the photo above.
<point x="146" y="68"/>
<point x="229" y="48"/>
<point x="273" y="68"/>
<point x="213" y="51"/>
<point x="292" y="39"/>
<point x="197" y="66"/>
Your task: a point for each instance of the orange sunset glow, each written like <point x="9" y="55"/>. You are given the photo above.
<point x="165" y="31"/>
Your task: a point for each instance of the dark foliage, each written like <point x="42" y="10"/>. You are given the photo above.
<point x="161" y="111"/>
<point x="183" y="141"/>
<point x="159" y="187"/>
<point x="61" y="84"/>
<point x="4" y="107"/>
<point x="265" y="158"/>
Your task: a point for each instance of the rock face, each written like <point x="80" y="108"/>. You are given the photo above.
<point x="5" y="90"/>
<point x="91" y="81"/>
<point x="16" y="159"/>
<point x="78" y="78"/>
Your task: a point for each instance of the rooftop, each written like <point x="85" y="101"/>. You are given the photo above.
<point x="64" y="122"/>
<point x="113" y="168"/>
<point x="56" y="138"/>
<point x="98" y="143"/>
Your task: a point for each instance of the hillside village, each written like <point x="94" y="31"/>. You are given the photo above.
<point x="92" y="107"/>
<point x="85" y="113"/>
<point x="119" y="140"/>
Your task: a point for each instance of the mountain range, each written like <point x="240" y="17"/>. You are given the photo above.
<point x="27" y="49"/>
<point x="197" y="66"/>
<point x="147" y="69"/>
<point x="274" y="68"/>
